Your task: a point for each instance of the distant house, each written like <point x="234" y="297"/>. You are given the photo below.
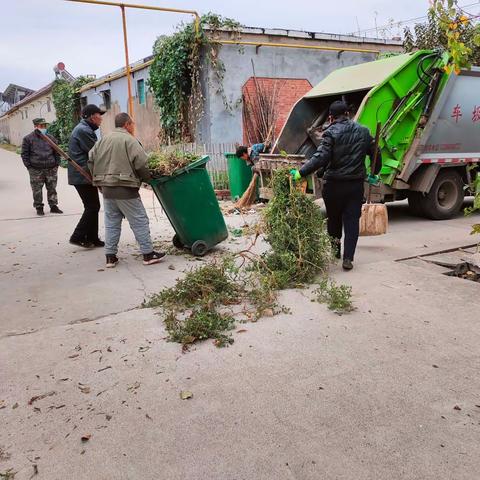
<point x="16" y="122"/>
<point x="305" y="61"/>
<point x="12" y="95"/>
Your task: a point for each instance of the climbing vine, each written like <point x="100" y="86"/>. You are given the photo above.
<point x="174" y="77"/>
<point x="66" y="102"/>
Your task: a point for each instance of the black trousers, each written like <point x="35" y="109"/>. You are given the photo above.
<point x="87" y="227"/>
<point x="343" y="201"/>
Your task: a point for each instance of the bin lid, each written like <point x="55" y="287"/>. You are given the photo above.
<point x="197" y="163"/>
<point x="360" y="77"/>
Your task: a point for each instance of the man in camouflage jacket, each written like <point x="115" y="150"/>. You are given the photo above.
<point x="42" y="162"/>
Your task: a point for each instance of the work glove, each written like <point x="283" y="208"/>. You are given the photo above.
<point x="373" y="179"/>
<point x="295" y="174"/>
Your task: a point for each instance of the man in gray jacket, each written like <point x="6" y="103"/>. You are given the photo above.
<point x="118" y="164"/>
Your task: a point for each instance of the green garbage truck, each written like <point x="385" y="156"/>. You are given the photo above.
<point x="429" y="126"/>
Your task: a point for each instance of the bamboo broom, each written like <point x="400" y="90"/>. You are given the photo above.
<point x="374" y="219"/>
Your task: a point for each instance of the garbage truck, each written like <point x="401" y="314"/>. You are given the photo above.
<point x="428" y="119"/>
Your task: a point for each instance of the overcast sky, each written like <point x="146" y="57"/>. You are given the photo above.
<point x="37" y="34"/>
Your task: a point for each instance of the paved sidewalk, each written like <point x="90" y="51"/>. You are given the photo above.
<point x="311" y="395"/>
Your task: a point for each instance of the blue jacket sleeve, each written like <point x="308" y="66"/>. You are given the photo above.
<point x="321" y="158"/>
<point x="256" y="150"/>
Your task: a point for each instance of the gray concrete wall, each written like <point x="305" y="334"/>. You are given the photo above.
<point x="219" y="125"/>
<point x="118" y="89"/>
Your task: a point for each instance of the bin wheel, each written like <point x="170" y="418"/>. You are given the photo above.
<point x="199" y="248"/>
<point x="177" y="242"/>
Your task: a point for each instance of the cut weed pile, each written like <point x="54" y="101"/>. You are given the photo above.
<point x="199" y="305"/>
<point x="338" y="298"/>
<point x="165" y="163"/>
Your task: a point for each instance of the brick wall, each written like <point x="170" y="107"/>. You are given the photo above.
<point x="285" y="91"/>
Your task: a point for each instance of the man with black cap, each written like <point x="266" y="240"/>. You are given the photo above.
<point x="42" y="162"/>
<point x="341" y="154"/>
<point x="82" y="140"/>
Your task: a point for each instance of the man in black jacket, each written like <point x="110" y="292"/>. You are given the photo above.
<point x="42" y="162"/>
<point x="341" y="153"/>
<point x="82" y="140"/>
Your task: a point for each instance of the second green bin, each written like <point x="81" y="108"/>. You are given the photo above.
<point x="239" y="175"/>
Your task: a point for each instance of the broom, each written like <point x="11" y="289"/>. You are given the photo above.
<point x="374" y="219"/>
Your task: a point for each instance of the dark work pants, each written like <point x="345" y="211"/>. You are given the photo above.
<point x="343" y="201"/>
<point x="87" y="228"/>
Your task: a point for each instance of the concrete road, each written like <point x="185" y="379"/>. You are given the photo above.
<point x="389" y="391"/>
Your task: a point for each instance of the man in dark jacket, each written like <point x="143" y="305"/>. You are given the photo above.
<point x="42" y="162"/>
<point x="82" y="140"/>
<point x="341" y="153"/>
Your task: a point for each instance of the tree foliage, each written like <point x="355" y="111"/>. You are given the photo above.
<point x="174" y="77"/>
<point x="450" y="29"/>
<point x="67" y="106"/>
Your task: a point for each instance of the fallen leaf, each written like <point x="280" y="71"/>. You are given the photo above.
<point x="15" y="405"/>
<point x="2" y="404"/>
<point x="36" y="409"/>
<point x="435" y="366"/>
<point x="171" y="267"/>
<point x="188" y="339"/>
<point x="109" y="349"/>
<point x="242" y="330"/>
<point x="133" y="387"/>
<point x="143" y="349"/>
<point x="185" y="394"/>
<point x="40" y="397"/>
<point x="84" y="388"/>
<point x="456" y="407"/>
<point x="104" y="368"/>
<point x="86" y="438"/>
<point x="100" y="270"/>
<point x="148" y="416"/>
<point x="108" y="417"/>
<point x="35" y="470"/>
<point x="75" y="355"/>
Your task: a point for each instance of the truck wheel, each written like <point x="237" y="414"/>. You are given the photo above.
<point x="445" y="197"/>
<point x="415" y="203"/>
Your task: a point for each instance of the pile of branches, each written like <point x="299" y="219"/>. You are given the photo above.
<point x="200" y="305"/>
<point x="165" y="163"/>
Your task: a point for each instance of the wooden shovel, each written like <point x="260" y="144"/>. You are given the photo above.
<point x="75" y="165"/>
<point x="374" y="219"/>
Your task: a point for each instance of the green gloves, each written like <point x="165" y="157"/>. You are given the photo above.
<point x="295" y="174"/>
<point x="373" y="179"/>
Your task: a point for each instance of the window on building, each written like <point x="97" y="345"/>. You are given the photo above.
<point x="26" y="113"/>
<point x="141" y="91"/>
<point x="49" y="107"/>
<point x="107" y="99"/>
<point x="83" y="102"/>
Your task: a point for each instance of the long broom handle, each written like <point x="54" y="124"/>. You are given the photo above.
<point x="373" y="163"/>
<point x="75" y="165"/>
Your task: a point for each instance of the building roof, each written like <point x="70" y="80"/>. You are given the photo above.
<point x="294" y="35"/>
<point x="37" y="94"/>
<point x="12" y="88"/>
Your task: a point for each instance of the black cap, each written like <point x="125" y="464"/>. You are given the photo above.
<point x="39" y="121"/>
<point x="90" y="110"/>
<point x="338" y="108"/>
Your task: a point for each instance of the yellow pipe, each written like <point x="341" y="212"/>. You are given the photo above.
<point x="291" y="45"/>
<point x="144" y="7"/>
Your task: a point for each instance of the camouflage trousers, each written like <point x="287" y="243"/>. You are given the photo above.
<point x="39" y="178"/>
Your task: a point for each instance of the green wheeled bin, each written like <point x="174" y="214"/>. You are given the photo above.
<point x="189" y="201"/>
<point x="239" y="175"/>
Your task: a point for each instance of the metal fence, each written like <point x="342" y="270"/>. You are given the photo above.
<point x="217" y="166"/>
